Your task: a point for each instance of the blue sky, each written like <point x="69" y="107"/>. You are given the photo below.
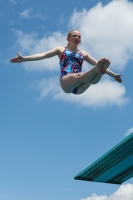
<point x="47" y="136"/>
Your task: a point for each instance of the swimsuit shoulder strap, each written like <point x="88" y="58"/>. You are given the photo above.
<point x="80" y="53"/>
<point x="63" y="53"/>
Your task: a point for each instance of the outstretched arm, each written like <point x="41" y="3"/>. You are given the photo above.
<point x="93" y="62"/>
<point x="117" y="77"/>
<point x="34" y="57"/>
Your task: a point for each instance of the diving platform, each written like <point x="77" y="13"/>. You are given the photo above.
<point x="115" y="166"/>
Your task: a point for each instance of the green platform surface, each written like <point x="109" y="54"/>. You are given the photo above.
<point x="115" y="166"/>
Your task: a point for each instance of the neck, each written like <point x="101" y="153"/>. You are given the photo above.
<point x="72" y="48"/>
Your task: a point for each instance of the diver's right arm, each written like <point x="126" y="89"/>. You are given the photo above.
<point x="39" y="56"/>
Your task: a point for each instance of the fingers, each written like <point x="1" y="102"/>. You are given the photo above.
<point x="118" y="78"/>
<point x="17" y="59"/>
<point x="18" y="54"/>
<point x="13" y="60"/>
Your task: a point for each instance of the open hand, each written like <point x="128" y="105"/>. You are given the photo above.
<point x="17" y="59"/>
<point x="118" y="78"/>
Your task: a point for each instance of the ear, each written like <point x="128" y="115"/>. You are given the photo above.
<point x="67" y="39"/>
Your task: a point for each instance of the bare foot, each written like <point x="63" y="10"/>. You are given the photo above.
<point x="102" y="65"/>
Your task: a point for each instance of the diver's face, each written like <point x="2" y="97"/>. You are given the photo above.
<point x="75" y="38"/>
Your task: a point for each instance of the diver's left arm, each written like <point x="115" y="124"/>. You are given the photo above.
<point x="89" y="59"/>
<point x="117" y="77"/>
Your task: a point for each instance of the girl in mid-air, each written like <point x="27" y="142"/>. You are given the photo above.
<point x="72" y="79"/>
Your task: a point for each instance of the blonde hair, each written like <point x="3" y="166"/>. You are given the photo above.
<point x="69" y="34"/>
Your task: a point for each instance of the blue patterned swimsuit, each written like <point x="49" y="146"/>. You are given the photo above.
<point x="71" y="62"/>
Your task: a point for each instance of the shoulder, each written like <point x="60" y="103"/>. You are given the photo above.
<point x="59" y="49"/>
<point x="84" y="53"/>
<point x="88" y="58"/>
<point x="55" y="51"/>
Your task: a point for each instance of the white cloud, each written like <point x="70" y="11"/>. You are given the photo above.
<point x="41" y="16"/>
<point x="103" y="94"/>
<point x="107" y="31"/>
<point x="30" y="44"/>
<point x="48" y="87"/>
<point x="125" y="192"/>
<point x="13" y="1"/>
<point x="26" y="13"/>
<point x="129" y="131"/>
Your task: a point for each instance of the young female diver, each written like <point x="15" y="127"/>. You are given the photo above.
<point x="72" y="79"/>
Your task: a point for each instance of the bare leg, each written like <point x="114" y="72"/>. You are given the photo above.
<point x="83" y="80"/>
<point x="92" y="76"/>
<point x="85" y="86"/>
<point x="82" y="88"/>
<point x="96" y="79"/>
